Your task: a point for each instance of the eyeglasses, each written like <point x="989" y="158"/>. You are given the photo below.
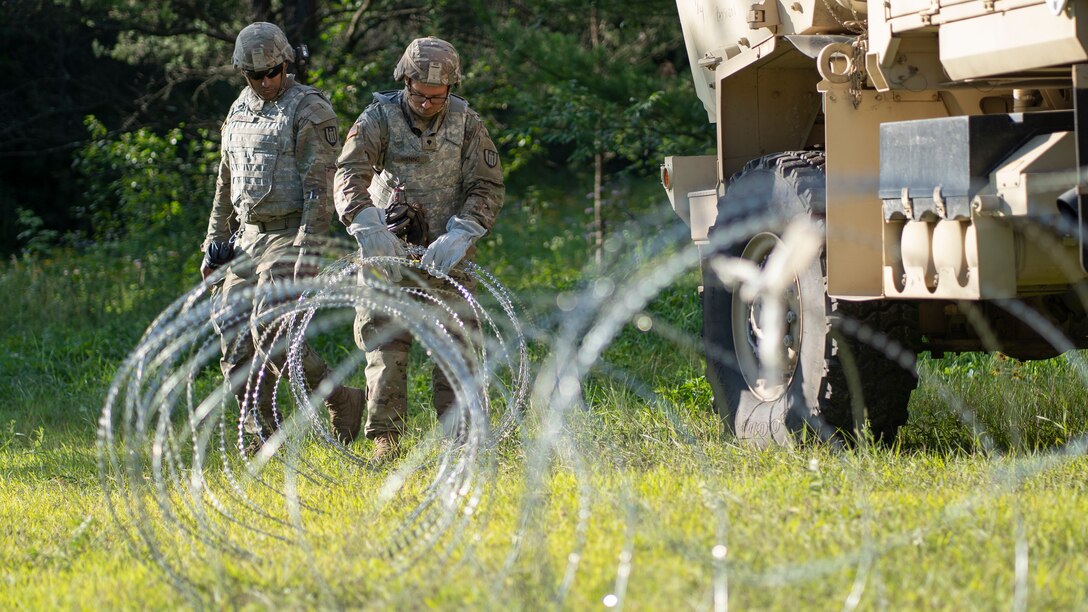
<point x="271" y="73"/>
<point x="419" y="98"/>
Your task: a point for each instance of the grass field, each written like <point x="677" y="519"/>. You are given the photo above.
<point x="639" y="500"/>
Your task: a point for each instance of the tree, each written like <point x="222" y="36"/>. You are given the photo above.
<point x="556" y="81"/>
<point x="594" y="84"/>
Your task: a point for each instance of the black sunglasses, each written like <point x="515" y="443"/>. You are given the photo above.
<point x="271" y="73"/>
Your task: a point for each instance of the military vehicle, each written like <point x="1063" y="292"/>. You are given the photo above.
<point x="936" y="145"/>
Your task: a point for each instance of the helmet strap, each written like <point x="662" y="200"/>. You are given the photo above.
<point x="283" y="78"/>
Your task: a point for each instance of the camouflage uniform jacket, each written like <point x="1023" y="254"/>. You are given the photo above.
<point x="277" y="162"/>
<point x="449" y="164"/>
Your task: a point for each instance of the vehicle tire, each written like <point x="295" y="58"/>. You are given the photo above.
<point x="830" y="348"/>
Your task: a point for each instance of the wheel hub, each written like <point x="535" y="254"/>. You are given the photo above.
<point x="773" y="319"/>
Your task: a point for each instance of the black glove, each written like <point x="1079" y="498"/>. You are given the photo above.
<point x="407" y="222"/>
<point x="219" y="253"/>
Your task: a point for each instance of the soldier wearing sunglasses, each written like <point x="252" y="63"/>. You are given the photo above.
<point x="441" y="152"/>
<point x="272" y="203"/>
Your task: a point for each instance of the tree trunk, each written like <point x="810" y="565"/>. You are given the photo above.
<point x="598" y="157"/>
<point x="300" y="23"/>
<point x="260" y="10"/>
<point x="598" y="218"/>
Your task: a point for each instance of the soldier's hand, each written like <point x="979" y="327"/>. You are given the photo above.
<point x="407" y="223"/>
<point x="375" y="239"/>
<point x="306" y="264"/>
<point x="217" y="254"/>
<point x="450" y="248"/>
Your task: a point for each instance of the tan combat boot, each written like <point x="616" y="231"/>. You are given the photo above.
<point x="386" y="447"/>
<point x="345" y="406"/>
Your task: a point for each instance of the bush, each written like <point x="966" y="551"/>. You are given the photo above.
<point x="146" y="191"/>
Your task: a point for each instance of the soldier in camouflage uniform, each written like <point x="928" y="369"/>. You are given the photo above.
<point x="439" y="148"/>
<point x="279" y="146"/>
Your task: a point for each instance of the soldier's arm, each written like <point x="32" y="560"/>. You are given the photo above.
<point x="221" y="221"/>
<point x="481" y="174"/>
<point x="355" y="167"/>
<point x="316" y="146"/>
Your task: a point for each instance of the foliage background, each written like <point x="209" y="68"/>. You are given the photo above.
<point x="110" y="133"/>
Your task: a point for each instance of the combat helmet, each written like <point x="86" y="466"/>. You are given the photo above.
<point x="429" y="60"/>
<point x="260" y="46"/>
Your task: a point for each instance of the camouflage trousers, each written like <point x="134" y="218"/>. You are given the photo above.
<point x="271" y="261"/>
<point x="387" y="345"/>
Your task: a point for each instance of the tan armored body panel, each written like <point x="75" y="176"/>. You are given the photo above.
<point x="986" y="38"/>
<point x="724" y="37"/>
<point x="934" y="151"/>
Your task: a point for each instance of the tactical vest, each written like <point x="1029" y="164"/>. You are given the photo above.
<point x="259" y="140"/>
<point x="428" y="164"/>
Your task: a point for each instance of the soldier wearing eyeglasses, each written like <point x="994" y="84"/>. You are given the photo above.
<point x="279" y="147"/>
<point x="440" y="151"/>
